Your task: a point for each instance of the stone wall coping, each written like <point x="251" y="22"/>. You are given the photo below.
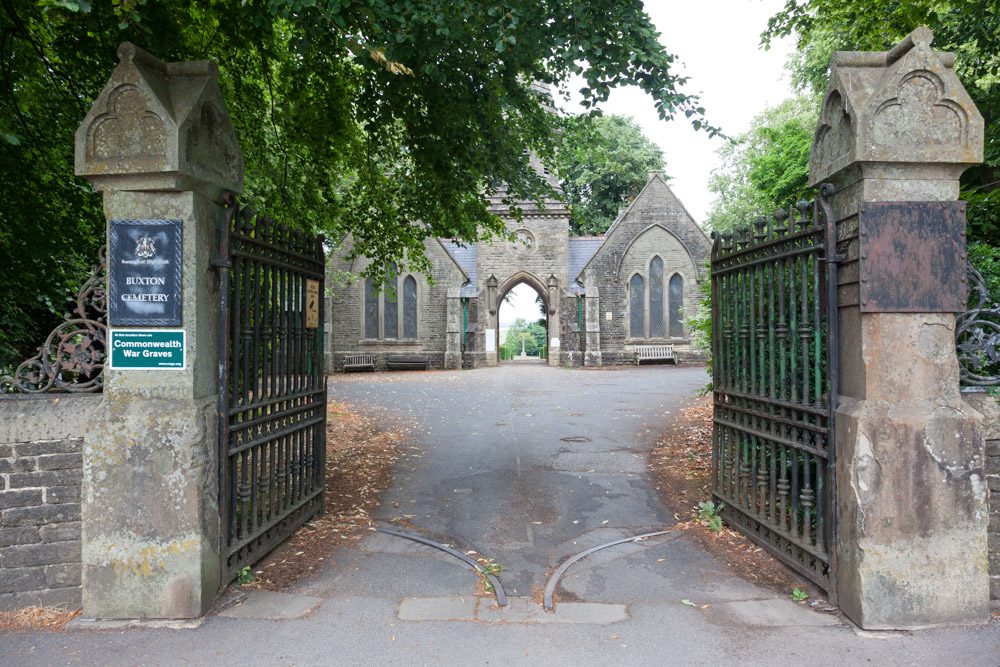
<point x="28" y="418"/>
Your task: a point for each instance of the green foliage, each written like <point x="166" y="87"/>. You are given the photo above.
<point x="986" y="259"/>
<point x="245" y="578"/>
<point x="799" y="595"/>
<point x="968" y="28"/>
<point x="353" y="117"/>
<point x="534" y="338"/>
<point x="766" y="166"/>
<point x="699" y="324"/>
<point x="708" y="514"/>
<point x="603" y="162"/>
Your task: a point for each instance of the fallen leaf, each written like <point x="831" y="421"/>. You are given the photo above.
<point x="689" y="603"/>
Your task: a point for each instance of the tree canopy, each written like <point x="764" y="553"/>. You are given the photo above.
<point x="968" y="28"/>
<point x="390" y="121"/>
<point x="766" y="166"/>
<point x="534" y="337"/>
<point x="603" y="162"/>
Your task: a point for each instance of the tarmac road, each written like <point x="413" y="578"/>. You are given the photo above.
<point x="527" y="465"/>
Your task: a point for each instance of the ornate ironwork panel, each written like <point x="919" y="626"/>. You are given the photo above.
<point x="409" y="308"/>
<point x="676" y="306"/>
<point x="636" y="307"/>
<point x="272" y="403"/>
<point x="72" y="357"/>
<point x="977" y="337"/>
<point x="774" y="321"/>
<point x="656" y="323"/>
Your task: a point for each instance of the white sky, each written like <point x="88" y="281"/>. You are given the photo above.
<point x="716" y="42"/>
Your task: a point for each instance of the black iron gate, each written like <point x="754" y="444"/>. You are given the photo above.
<point x="272" y="388"/>
<point x="774" y="348"/>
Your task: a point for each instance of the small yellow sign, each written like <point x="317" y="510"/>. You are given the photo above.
<point x="312" y="304"/>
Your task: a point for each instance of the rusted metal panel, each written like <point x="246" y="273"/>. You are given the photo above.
<point x="913" y="257"/>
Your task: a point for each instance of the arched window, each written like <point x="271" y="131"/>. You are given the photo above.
<point x="390" y="311"/>
<point x="371" y="309"/>
<point x="637" y="312"/>
<point x="676" y="306"/>
<point x="657" y="328"/>
<point x="409" y="307"/>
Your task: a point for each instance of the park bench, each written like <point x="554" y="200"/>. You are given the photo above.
<point x="359" y="362"/>
<point x="654" y="353"/>
<point x="408" y="361"/>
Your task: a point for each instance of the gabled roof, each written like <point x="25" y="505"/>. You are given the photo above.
<point x="581" y="249"/>
<point x="654" y="176"/>
<point x="465" y="256"/>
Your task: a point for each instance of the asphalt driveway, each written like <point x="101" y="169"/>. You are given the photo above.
<point x="527" y="465"/>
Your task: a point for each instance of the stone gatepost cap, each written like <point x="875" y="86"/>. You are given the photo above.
<point x="160" y="126"/>
<point x="905" y="105"/>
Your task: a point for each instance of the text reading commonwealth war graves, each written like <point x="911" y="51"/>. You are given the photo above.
<point x="146" y="349"/>
<point x="144" y="273"/>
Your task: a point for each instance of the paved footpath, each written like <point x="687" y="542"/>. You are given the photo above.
<point x="528" y="465"/>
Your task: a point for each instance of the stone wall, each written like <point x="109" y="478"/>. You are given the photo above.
<point x="346" y="320"/>
<point x="655" y="224"/>
<point x="41" y="440"/>
<point x="990" y="409"/>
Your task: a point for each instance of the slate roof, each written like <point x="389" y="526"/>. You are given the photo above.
<point x="465" y="256"/>
<point x="581" y="249"/>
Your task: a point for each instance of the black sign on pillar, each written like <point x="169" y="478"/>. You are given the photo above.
<point x="144" y="273"/>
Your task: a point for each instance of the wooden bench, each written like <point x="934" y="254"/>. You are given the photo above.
<point x="359" y="362"/>
<point x="654" y="353"/>
<point x="408" y="361"/>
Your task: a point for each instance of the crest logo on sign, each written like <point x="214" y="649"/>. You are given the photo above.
<point x="144" y="247"/>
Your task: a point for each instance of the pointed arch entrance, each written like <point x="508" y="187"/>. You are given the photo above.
<point x="547" y="291"/>
<point x="522" y="332"/>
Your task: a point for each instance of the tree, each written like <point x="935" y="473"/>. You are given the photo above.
<point x="968" y="28"/>
<point x="518" y="332"/>
<point x="765" y="167"/>
<point x="353" y="115"/>
<point x="603" y="162"/>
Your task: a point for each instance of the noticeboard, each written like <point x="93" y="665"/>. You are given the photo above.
<point x="146" y="349"/>
<point x="312" y="304"/>
<point x="144" y="273"/>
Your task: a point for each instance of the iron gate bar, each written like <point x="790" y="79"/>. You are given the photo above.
<point x="774" y="334"/>
<point x="272" y="391"/>
<point x="550" y="586"/>
<point x="498" y="591"/>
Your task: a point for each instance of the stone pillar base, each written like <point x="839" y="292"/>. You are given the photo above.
<point x="912" y="505"/>
<point x="592" y="358"/>
<point x="452" y="360"/>
<point x="151" y="514"/>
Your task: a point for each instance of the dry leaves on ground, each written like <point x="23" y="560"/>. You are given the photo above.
<point x="36" y="618"/>
<point x="681" y="463"/>
<point x="360" y="455"/>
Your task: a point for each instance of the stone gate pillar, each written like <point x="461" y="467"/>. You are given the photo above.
<point x="453" y="330"/>
<point x="896" y="131"/>
<point x="159" y="144"/>
<point x="592" y="324"/>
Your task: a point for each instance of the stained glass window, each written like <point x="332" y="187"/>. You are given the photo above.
<point x="637" y="314"/>
<point x="676" y="306"/>
<point x="409" y="308"/>
<point x="371" y="309"/>
<point x="390" y="311"/>
<point x="657" y="328"/>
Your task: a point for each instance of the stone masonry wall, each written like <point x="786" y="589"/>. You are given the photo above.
<point x="990" y="409"/>
<point x="41" y="440"/>
<point x="628" y="248"/>
<point x="346" y="335"/>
